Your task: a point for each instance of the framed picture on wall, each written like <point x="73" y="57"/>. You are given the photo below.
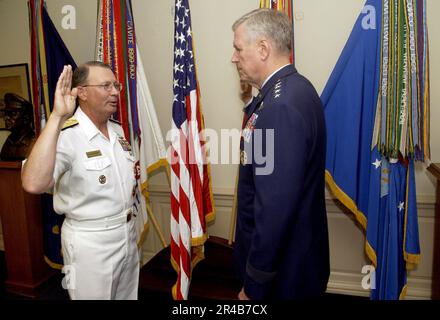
<point x="14" y="78"/>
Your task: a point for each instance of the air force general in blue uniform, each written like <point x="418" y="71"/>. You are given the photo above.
<point x="281" y="244"/>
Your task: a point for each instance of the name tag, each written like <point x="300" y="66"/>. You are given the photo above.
<point x="94" y="153"/>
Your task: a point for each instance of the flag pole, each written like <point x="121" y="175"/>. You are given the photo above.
<point x="152" y="216"/>
<point x="167" y="168"/>
<point x="156" y="225"/>
<point x="234" y="212"/>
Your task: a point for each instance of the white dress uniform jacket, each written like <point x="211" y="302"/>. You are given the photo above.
<point x="94" y="183"/>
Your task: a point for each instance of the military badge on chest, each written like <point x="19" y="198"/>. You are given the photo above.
<point x="125" y="144"/>
<point x="102" y="179"/>
<point x="250" y="126"/>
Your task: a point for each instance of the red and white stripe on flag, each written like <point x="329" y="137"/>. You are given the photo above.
<point x="191" y="196"/>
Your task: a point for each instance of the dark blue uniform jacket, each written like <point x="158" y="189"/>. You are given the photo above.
<point x="281" y="245"/>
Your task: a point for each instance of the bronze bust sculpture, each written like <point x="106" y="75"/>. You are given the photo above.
<point x="18" y="115"/>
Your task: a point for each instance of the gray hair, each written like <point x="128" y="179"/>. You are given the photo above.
<point x="272" y="24"/>
<point x="81" y="73"/>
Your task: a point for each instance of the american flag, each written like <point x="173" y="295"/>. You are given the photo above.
<point x="191" y="196"/>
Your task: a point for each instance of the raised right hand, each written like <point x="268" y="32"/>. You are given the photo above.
<point x="65" y="97"/>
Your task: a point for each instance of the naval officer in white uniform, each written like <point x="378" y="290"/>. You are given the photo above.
<point x="90" y="166"/>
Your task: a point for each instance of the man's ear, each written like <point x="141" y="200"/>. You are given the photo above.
<point x="264" y="49"/>
<point x="82" y="93"/>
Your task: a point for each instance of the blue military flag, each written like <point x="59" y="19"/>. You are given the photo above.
<point x="374" y="134"/>
<point x="57" y="55"/>
<point x="48" y="55"/>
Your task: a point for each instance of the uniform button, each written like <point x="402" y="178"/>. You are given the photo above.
<point x="102" y="179"/>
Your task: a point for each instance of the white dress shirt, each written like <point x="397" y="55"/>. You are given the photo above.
<point x="94" y="176"/>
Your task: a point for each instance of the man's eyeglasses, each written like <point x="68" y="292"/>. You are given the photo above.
<point x="107" y="86"/>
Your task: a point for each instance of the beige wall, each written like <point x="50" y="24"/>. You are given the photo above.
<point x="322" y="28"/>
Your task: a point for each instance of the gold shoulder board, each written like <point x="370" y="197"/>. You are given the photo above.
<point x="71" y="122"/>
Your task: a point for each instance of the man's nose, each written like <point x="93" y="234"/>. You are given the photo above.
<point x="234" y="58"/>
